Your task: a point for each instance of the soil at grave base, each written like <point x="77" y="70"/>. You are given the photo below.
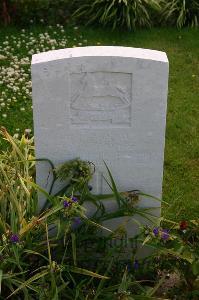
<point x="172" y="280"/>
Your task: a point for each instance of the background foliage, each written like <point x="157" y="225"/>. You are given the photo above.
<point x="120" y="13"/>
<point x="129" y="14"/>
<point x="181" y="13"/>
<point x="36" y="11"/>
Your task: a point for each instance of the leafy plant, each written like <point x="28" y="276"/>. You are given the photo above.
<point x="176" y="255"/>
<point x="61" y="253"/>
<point x="181" y="12"/>
<point x="44" y="254"/>
<point x="25" y="233"/>
<point x="119" y="13"/>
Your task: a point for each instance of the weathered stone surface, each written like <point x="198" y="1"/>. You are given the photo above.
<point x="103" y="103"/>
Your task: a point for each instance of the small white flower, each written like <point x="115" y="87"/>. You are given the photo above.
<point x="28" y="130"/>
<point x="2" y="57"/>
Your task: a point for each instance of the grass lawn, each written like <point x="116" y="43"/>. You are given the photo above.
<point x="181" y="172"/>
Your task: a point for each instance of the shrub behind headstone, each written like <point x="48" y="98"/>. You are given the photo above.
<point x="36" y="11"/>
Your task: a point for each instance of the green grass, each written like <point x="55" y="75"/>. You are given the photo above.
<point x="181" y="171"/>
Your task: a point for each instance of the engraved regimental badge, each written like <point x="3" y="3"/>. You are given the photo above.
<point x="101" y="99"/>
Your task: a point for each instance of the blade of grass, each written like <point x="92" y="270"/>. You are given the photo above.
<point x="73" y="236"/>
<point x="30" y="280"/>
<point x="87" y="272"/>
<point x="113" y="186"/>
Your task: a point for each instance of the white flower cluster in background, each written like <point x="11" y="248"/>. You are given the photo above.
<point x="16" y="51"/>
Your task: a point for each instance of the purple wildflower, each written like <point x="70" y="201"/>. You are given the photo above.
<point x="74" y="199"/>
<point x="136" y="264"/>
<point x="66" y="204"/>
<point x="165" y="234"/>
<point x="14" y="238"/>
<point x="156" y="231"/>
<point x="77" y="220"/>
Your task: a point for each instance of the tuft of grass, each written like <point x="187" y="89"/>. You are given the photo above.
<point x="180" y="186"/>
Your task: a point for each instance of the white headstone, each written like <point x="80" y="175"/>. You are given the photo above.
<point x="103" y="104"/>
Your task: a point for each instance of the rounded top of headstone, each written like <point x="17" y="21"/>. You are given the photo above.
<point x="100" y="51"/>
